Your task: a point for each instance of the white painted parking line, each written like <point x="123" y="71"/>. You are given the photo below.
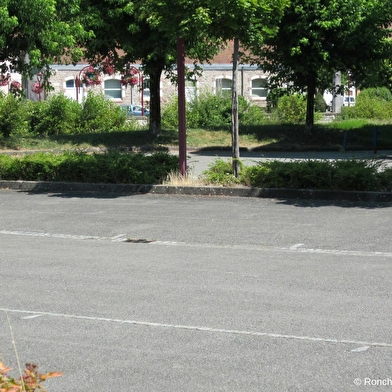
<point x="362" y="344"/>
<point x="117" y="238"/>
<point x="249" y="247"/>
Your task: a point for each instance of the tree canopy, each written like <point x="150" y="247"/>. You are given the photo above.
<point x="318" y="37"/>
<point x="37" y="33"/>
<point x="147" y="31"/>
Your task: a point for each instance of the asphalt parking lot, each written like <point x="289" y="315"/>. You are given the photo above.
<point x="185" y="293"/>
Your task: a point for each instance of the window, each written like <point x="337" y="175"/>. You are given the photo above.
<point x="146" y="89"/>
<point x="70" y="89"/>
<point x="70" y="83"/>
<point x="223" y="86"/>
<point x="259" y="88"/>
<point x="190" y="90"/>
<point x="113" y="88"/>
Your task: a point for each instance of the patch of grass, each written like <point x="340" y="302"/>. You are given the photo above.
<point x="264" y="137"/>
<point x="174" y="178"/>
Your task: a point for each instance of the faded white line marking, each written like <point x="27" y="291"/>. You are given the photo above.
<point x="117" y="238"/>
<point x="277" y="248"/>
<point x="33" y="316"/>
<point x="201" y="329"/>
<point x="360" y="349"/>
<point x="249" y="247"/>
<point x="296" y="246"/>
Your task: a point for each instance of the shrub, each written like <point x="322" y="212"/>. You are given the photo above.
<point x="170" y="115"/>
<point x="371" y="103"/>
<point x="110" y="167"/>
<point x="220" y="172"/>
<point x="291" y="109"/>
<point x="349" y="175"/>
<point x="356" y="175"/>
<point x="101" y="115"/>
<point x="13" y="119"/>
<point x="385" y="178"/>
<point x="212" y="111"/>
<point x="376" y="93"/>
<point x="254" y="115"/>
<point x="56" y="116"/>
<point x="299" y="175"/>
<point x="273" y="97"/>
<point x="320" y="106"/>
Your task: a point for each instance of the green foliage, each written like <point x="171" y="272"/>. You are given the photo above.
<point x="348" y="175"/>
<point x="58" y="115"/>
<point x="291" y="109"/>
<point x="111" y="167"/>
<point x="254" y="115"/>
<point x="376" y="93"/>
<point x="101" y="115"/>
<point x="46" y="30"/>
<point x="372" y="103"/>
<point x="13" y="118"/>
<point x="320" y="105"/>
<point x="385" y="177"/>
<point x="316" y="37"/>
<point x="273" y="97"/>
<point x="212" y="111"/>
<point x="220" y="172"/>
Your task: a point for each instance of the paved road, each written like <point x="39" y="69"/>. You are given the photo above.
<point x="198" y="161"/>
<point x="211" y="294"/>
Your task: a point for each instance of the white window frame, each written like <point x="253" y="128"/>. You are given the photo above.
<point x="71" y="92"/>
<point x="120" y="89"/>
<point x="219" y="85"/>
<point x="257" y="97"/>
<point x="191" y="90"/>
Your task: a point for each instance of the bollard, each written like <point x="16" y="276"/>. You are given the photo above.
<point x="375" y="140"/>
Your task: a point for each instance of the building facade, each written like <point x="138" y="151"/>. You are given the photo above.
<point x="216" y="77"/>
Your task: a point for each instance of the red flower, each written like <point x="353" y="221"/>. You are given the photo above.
<point x="91" y="77"/>
<point x="37" y="88"/>
<point x="130" y="77"/>
<point x="4" y="79"/>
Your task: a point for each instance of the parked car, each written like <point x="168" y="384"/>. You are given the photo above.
<point x="135" y="110"/>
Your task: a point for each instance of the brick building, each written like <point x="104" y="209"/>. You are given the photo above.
<point x="216" y="77"/>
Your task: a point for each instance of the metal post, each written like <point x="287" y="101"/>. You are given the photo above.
<point x="39" y="80"/>
<point x="142" y="96"/>
<point x="181" y="104"/>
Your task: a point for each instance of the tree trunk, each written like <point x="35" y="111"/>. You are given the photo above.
<point x="234" y="113"/>
<point x="155" y="99"/>
<point x="310" y="104"/>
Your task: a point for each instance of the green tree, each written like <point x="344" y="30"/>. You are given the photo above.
<point x="318" y="37"/>
<point x="37" y="33"/>
<point x="147" y="32"/>
<point x="247" y="23"/>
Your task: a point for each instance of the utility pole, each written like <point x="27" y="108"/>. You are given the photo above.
<point x="234" y="113"/>
<point x="181" y="105"/>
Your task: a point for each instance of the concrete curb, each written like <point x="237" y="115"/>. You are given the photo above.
<point x="128" y="189"/>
